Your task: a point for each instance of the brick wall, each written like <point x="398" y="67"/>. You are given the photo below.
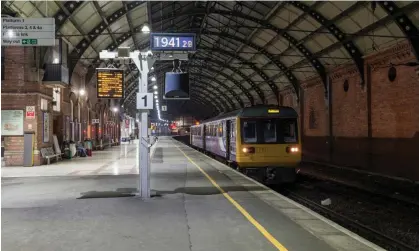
<point x="23" y="87"/>
<point x="373" y="125"/>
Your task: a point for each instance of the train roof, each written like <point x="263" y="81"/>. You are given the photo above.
<point x="270" y="111"/>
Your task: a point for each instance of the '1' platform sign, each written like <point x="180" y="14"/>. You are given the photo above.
<point x="144" y="101"/>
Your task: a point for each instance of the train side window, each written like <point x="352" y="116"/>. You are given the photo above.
<point x="249" y="132"/>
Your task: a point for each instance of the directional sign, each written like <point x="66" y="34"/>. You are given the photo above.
<point x="30" y="112"/>
<point x="145" y="101"/>
<point x="28" y="31"/>
<point x="164" y="108"/>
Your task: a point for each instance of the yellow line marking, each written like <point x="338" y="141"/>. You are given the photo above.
<point x="252" y="220"/>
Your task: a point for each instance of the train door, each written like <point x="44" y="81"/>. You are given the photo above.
<point x="232" y="140"/>
<point x="204" y="135"/>
<point x="227" y="137"/>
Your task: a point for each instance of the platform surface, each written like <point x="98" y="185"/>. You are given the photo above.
<point x="201" y="204"/>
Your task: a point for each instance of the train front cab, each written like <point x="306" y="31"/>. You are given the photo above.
<point x="269" y="147"/>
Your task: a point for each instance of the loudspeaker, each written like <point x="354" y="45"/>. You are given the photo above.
<point x="176" y="85"/>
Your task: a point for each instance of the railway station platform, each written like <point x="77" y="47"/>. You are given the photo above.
<point x="198" y="204"/>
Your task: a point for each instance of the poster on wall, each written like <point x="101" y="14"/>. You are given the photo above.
<point x="46" y="127"/>
<point x="11" y="122"/>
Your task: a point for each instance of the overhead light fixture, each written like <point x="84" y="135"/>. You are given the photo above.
<point x="115" y="109"/>
<point x="56" y="61"/>
<point x="155" y="87"/>
<point x="82" y="92"/>
<point x="156" y="92"/>
<point x="153" y="78"/>
<point x="152" y="68"/>
<point x="145" y="28"/>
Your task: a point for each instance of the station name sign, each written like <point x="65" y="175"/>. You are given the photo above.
<point x="173" y="41"/>
<point x="27" y="31"/>
<point x="110" y="83"/>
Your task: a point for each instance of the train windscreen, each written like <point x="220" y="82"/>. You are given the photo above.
<point x="269" y="131"/>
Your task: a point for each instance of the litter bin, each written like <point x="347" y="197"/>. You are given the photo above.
<point x="88" y="145"/>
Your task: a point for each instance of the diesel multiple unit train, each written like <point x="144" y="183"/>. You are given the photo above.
<point x="260" y="140"/>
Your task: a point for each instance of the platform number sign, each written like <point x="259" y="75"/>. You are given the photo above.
<point x="164" y="108"/>
<point x="145" y="101"/>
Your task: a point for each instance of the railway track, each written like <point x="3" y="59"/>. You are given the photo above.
<point x="398" y="199"/>
<point x="373" y="235"/>
<point x="358" y="205"/>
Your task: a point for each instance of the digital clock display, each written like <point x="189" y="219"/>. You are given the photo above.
<point x="173" y="42"/>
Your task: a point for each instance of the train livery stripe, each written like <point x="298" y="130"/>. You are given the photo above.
<point x="249" y="217"/>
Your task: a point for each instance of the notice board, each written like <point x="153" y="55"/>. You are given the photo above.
<point x="110" y="83"/>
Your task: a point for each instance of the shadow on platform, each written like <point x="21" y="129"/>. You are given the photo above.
<point x="130" y="192"/>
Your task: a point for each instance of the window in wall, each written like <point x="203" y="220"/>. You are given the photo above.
<point x="56" y="95"/>
<point x="249" y="132"/>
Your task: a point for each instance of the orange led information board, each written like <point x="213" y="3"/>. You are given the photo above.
<point x="110" y="83"/>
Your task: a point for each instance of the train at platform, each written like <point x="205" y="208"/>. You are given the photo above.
<point x="260" y="140"/>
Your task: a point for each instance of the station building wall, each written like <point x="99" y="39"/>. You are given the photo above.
<point x="21" y="86"/>
<point x="373" y="126"/>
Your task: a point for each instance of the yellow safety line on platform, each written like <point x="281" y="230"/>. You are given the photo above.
<point x="249" y="217"/>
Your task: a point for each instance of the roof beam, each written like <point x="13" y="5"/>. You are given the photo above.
<point x="317" y="65"/>
<point x="272" y="85"/>
<point x="80" y="30"/>
<point x="61" y="16"/>
<point x="161" y="71"/>
<point x="211" y="94"/>
<point x="216" y="71"/>
<point x="235" y="82"/>
<point x="350" y="47"/>
<point x="266" y="18"/>
<point x="405" y="24"/>
<point x="215" y="87"/>
<point x="349" y="38"/>
<point x="82" y="46"/>
<point x="131" y="87"/>
<point x="290" y="75"/>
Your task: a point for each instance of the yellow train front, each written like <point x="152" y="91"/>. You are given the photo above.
<point x="260" y="140"/>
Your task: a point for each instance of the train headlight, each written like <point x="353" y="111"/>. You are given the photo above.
<point x="248" y="149"/>
<point x="292" y="149"/>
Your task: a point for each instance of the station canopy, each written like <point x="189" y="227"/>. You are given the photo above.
<point x="246" y="51"/>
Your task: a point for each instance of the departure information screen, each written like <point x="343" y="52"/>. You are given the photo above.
<point x="173" y="42"/>
<point x="110" y="83"/>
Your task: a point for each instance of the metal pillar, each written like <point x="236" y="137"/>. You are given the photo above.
<point x="142" y="61"/>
